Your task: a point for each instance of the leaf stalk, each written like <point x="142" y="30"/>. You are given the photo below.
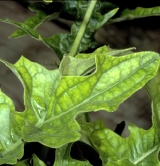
<point x="82" y="28"/>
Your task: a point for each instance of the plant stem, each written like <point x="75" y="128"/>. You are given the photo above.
<point x="87" y="117"/>
<point x="82" y="28"/>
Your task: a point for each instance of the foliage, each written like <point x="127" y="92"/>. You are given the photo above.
<point x="57" y="102"/>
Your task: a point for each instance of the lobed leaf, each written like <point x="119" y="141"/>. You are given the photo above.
<point x="39" y="88"/>
<point x="138" y="12"/>
<point x="140" y="148"/>
<point x="34" y="21"/>
<point x="61" y="44"/>
<point x="63" y="157"/>
<point x="11" y="145"/>
<point x="52" y="101"/>
<point x="24" y="28"/>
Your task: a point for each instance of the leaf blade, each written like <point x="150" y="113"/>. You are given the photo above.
<point x="11" y="145"/>
<point x="138" y="12"/>
<point x="63" y="157"/>
<point x="140" y="148"/>
<point x="34" y="21"/>
<point x="53" y="101"/>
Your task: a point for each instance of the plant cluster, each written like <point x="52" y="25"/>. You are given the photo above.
<point x="89" y="78"/>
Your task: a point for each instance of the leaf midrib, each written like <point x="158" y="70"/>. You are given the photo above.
<point x="88" y="99"/>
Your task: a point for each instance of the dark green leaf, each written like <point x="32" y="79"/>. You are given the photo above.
<point x="61" y="44"/>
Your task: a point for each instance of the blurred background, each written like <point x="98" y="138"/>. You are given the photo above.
<point x="144" y="34"/>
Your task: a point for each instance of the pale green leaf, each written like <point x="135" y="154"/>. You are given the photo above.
<point x="11" y="145"/>
<point x="53" y="44"/>
<point x="71" y="66"/>
<point x="104" y="50"/>
<point x="141" y="12"/>
<point x="138" y="12"/>
<point x="39" y="88"/>
<point x="53" y="101"/>
<point x="115" y="52"/>
<point x="34" y="21"/>
<point x="100" y="50"/>
<point x="24" y="28"/>
<point x="84" y="64"/>
<point x="140" y="148"/>
<point x="48" y="1"/>
<point x="121" y="162"/>
<point x="153" y="89"/>
<point x="63" y="157"/>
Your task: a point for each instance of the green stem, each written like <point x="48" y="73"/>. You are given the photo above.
<point x="86" y="114"/>
<point x="82" y="28"/>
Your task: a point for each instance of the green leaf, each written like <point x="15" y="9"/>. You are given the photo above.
<point x="25" y="28"/>
<point x="23" y="163"/>
<point x="81" y="64"/>
<point x="138" y="12"/>
<point x="84" y="64"/>
<point x="11" y="145"/>
<point x="41" y="122"/>
<point x="61" y="44"/>
<point x="105" y="51"/>
<point x="153" y="89"/>
<point x="154" y="92"/>
<point x="71" y="66"/>
<point x="35" y="161"/>
<point x="53" y="101"/>
<point x="121" y="162"/>
<point x="34" y="21"/>
<point x="140" y="148"/>
<point x="48" y="1"/>
<point x="100" y="50"/>
<point x="63" y="157"/>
